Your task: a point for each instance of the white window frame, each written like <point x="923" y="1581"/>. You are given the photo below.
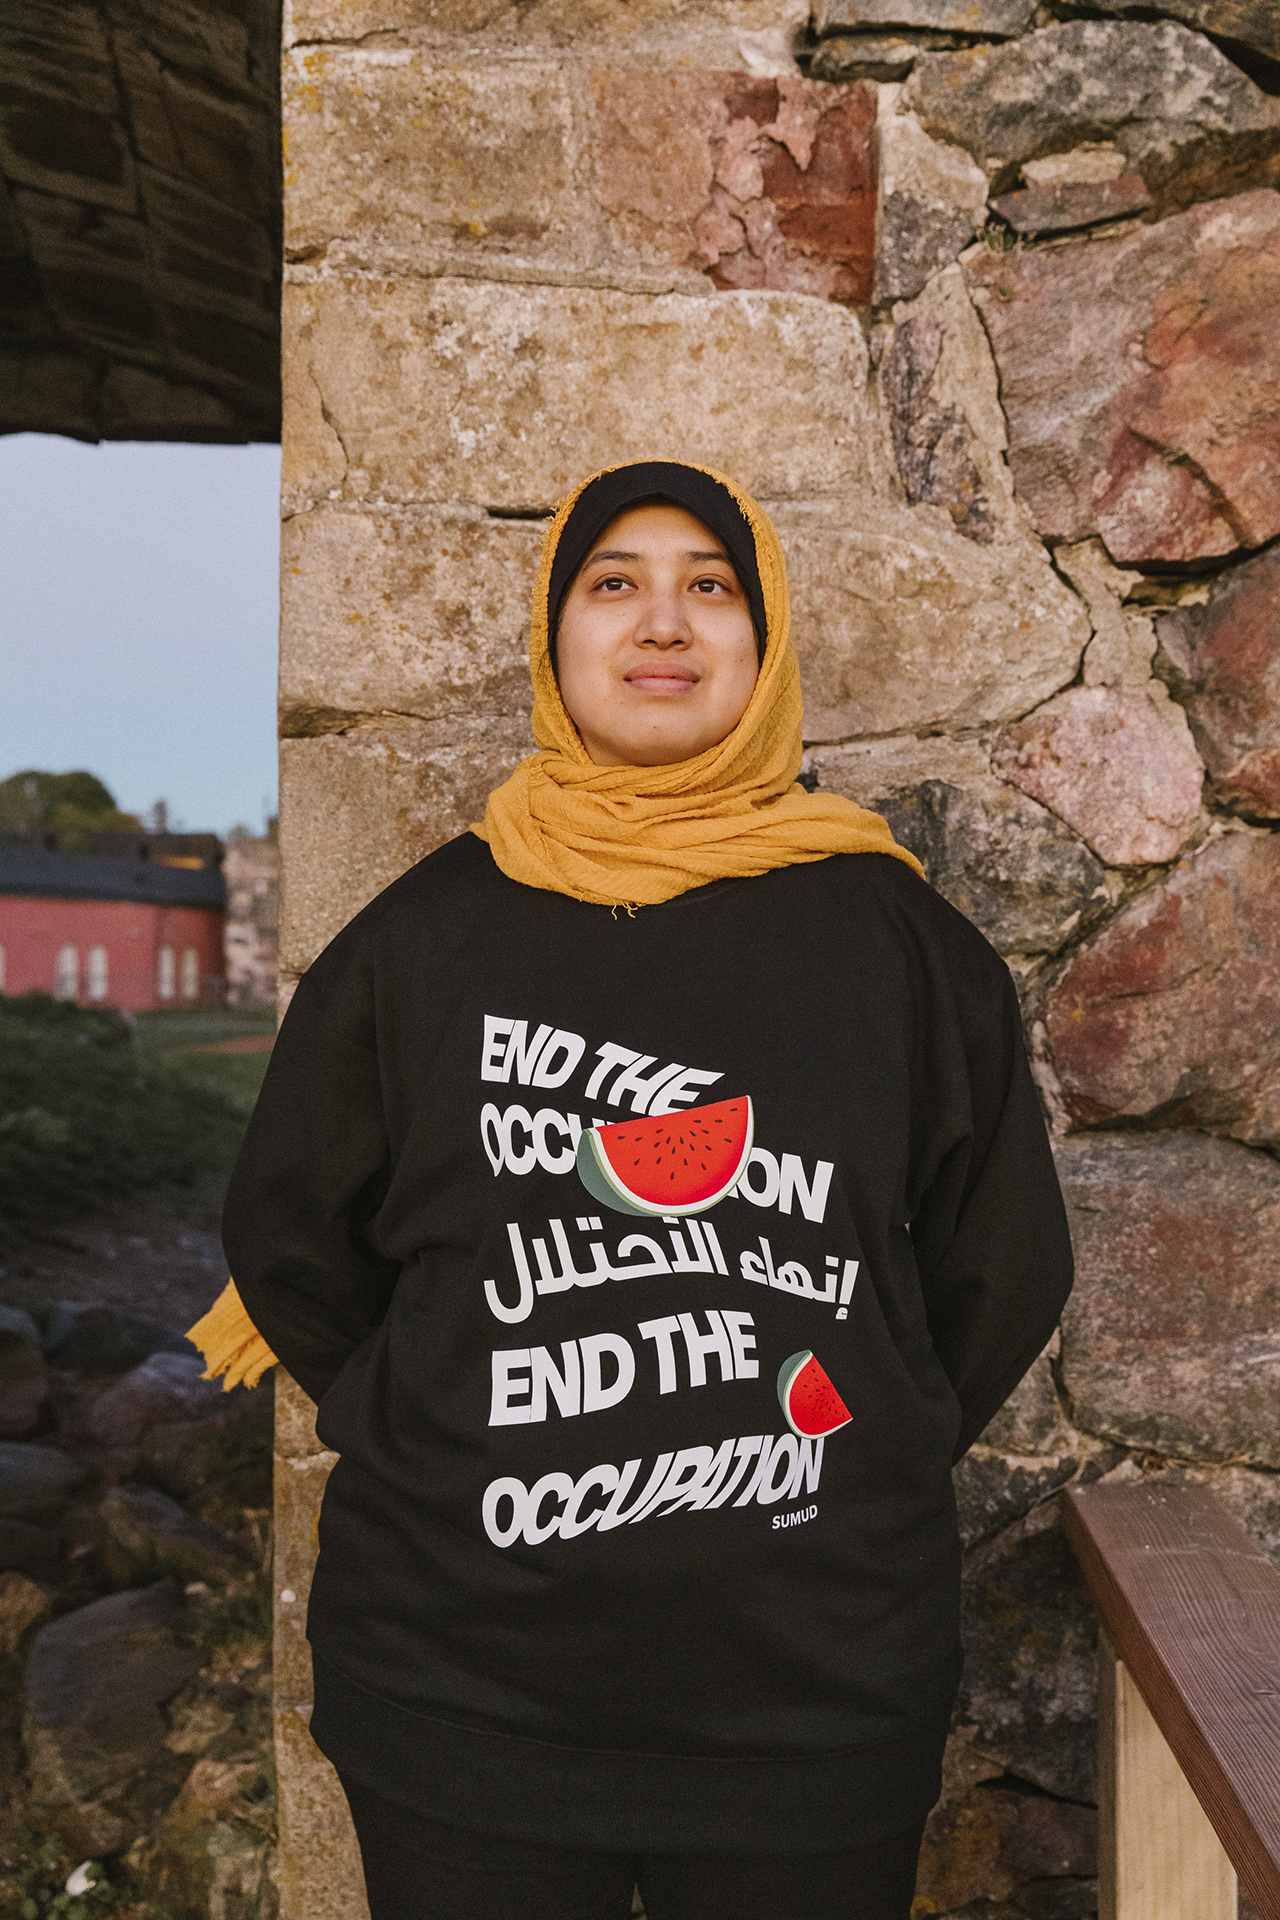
<point x="166" y="974"/>
<point x="97" y="973"/>
<point x="190" y="974"/>
<point x="66" y="974"/>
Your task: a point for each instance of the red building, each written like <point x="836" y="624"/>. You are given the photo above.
<point x="135" y="933"/>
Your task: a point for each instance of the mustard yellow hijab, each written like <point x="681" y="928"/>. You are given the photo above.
<point x="635" y="836"/>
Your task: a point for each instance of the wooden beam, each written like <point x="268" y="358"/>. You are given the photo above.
<point x="1191" y="1605"/>
<point x="1159" y="1857"/>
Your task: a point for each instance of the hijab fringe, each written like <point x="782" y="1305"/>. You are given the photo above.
<point x="230" y="1343"/>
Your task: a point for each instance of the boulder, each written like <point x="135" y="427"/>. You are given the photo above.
<point x="874" y="56"/>
<point x="99" y="1339"/>
<point x="936" y="444"/>
<point x="23" y="1382"/>
<point x="1190" y="123"/>
<point x="1222" y="662"/>
<point x="762" y="183"/>
<point x="28" y="1548"/>
<point x="36" y="1483"/>
<point x="403" y="390"/>
<point x="995" y="1842"/>
<point x="96" y="1680"/>
<point x="168" y="1386"/>
<point x="147" y="1536"/>
<point x="1033" y="1420"/>
<point x="21" y="1604"/>
<point x="1029" y="1687"/>
<point x="1077" y="203"/>
<point x="423" y="783"/>
<point x="209" y="1853"/>
<point x="1138" y="375"/>
<point x="995" y="1489"/>
<point x="932" y="200"/>
<point x="1171" y="1015"/>
<point x="1017" y="872"/>
<point x="1242" y="23"/>
<point x="180" y="1456"/>
<point x="1116" y="763"/>
<point x="980" y="18"/>
<point x="1168" y="1340"/>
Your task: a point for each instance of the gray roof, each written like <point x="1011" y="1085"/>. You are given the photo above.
<point x="33" y="871"/>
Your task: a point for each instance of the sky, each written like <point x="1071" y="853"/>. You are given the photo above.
<point x="138" y="604"/>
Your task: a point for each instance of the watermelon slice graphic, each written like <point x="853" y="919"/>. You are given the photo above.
<point x="673" y="1163"/>
<point x="809" y="1400"/>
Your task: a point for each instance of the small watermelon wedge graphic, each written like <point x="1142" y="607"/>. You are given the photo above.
<point x="809" y="1400"/>
<point x="673" y="1163"/>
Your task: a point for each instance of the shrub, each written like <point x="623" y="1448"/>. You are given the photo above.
<point x="84" y="1118"/>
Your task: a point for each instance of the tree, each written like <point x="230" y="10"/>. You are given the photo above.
<point x="70" y="805"/>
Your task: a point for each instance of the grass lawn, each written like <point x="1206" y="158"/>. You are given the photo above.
<point x="187" y="1035"/>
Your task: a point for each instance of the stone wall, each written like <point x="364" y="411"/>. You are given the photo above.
<point x="978" y="297"/>
<point x="140" y="219"/>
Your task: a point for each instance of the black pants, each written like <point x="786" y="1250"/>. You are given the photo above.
<point x="417" y="1869"/>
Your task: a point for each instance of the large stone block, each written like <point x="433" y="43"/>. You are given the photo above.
<point x="296" y="1435"/>
<point x="766" y="182"/>
<point x="939" y="393"/>
<point x="356" y="810"/>
<point x="299" y="1490"/>
<point x="1033" y="1419"/>
<point x="1116" y="763"/>
<point x="1139" y="375"/>
<point x="900" y="623"/>
<point x="1168" y="1338"/>
<point x="932" y="200"/>
<point x="1029" y="1689"/>
<point x="95" y="1681"/>
<point x="403" y="611"/>
<point x="1006" y="862"/>
<point x="1189" y="121"/>
<point x="1222" y="661"/>
<point x="318" y="1872"/>
<point x="396" y="161"/>
<point x="994" y="1489"/>
<point x="757" y="35"/>
<point x="1172" y="1014"/>
<point x="982" y="17"/>
<point x="498" y="396"/>
<point x="1248" y="23"/>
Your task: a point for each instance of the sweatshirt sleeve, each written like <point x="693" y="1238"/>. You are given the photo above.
<point x="311" y="1174"/>
<point x="991" y="1238"/>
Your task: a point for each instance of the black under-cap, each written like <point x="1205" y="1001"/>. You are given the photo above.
<point x="655" y="480"/>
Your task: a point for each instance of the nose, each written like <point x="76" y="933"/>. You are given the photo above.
<point x="664" y="620"/>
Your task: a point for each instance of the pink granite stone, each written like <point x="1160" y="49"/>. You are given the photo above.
<point x="1141" y="380"/>
<point x="1108" y="763"/>
<point x="1222" y="661"/>
<point x="1172" y="1014"/>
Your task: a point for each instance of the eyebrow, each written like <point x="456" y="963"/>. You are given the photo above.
<point x="618" y="553"/>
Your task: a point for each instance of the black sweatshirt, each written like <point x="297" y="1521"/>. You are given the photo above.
<point x="579" y="1581"/>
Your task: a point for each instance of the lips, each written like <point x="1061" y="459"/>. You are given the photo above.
<point x="662" y="679"/>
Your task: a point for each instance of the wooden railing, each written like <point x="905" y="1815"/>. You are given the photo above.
<point x="1189" y="1709"/>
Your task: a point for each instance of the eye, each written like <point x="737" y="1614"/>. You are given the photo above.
<point x="710" y="584"/>
<point x="612" y="583"/>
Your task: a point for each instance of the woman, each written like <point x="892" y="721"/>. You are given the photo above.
<point x="651" y="1190"/>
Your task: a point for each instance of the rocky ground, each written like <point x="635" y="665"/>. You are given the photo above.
<point x="136" y="1776"/>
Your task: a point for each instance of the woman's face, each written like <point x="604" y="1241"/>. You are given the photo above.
<point x="656" y="653"/>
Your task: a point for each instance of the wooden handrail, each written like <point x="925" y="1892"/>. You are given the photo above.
<point x="1191" y="1605"/>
